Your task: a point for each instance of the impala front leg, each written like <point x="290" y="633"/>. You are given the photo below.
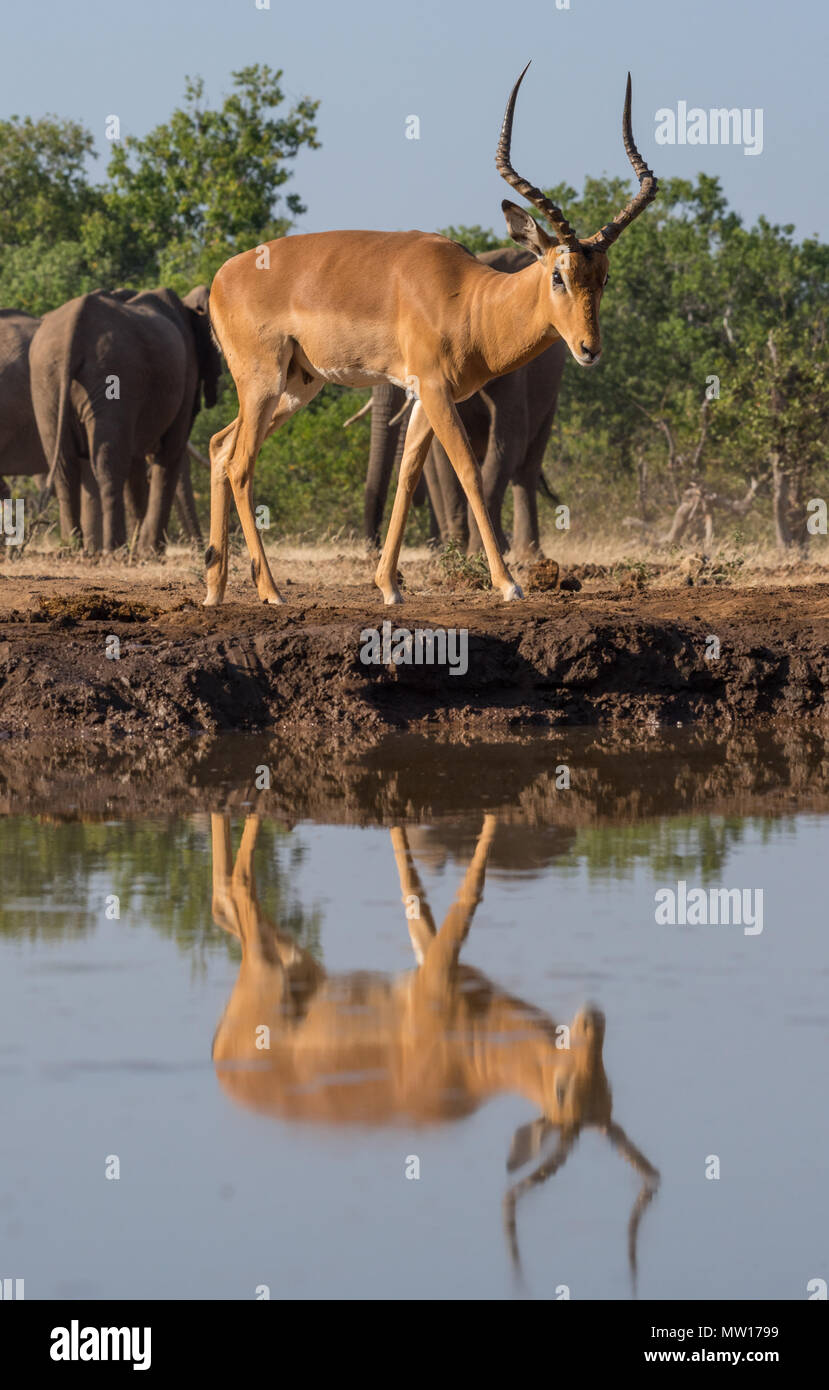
<point x="442" y="955"/>
<point x="449" y="429"/>
<point x="422" y="926"/>
<point x="418" y="439"/>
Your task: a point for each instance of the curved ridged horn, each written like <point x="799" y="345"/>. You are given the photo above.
<point x="554" y="215"/>
<point x="648" y="186"/>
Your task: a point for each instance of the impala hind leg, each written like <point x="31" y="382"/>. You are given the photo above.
<point x="255" y="424"/>
<point x="448" y="428"/>
<point x="418" y="439"/>
<point x="216" y="557"/>
<point x="264" y="405"/>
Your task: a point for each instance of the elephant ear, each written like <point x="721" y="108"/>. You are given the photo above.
<point x="207" y="352"/>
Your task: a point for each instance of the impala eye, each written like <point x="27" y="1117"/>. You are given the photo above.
<point x="561" y="1091"/>
<point x="557" y="280"/>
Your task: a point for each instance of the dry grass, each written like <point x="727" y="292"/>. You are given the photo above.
<point x="600" y="562"/>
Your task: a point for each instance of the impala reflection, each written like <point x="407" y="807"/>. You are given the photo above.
<point x="426" y="1047"/>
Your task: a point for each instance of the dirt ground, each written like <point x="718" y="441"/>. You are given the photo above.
<point x="634" y="643"/>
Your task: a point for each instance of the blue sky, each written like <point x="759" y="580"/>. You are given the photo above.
<point x="372" y="64"/>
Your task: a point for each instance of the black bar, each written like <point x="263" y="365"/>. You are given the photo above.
<point x="240" y="1338"/>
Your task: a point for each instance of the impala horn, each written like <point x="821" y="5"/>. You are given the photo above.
<point x="554" y="215"/>
<point x="648" y="186"/>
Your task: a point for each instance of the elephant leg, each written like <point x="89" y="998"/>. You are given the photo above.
<point x="164" y="476"/>
<point x="434" y="501"/>
<point x="68" y="493"/>
<point x="90" y="509"/>
<point x="526" y="542"/>
<point x="186" y="504"/>
<point x="111" y="459"/>
<point x="435" y="495"/>
<point x="137" y="494"/>
<point x="505" y="448"/>
<point x="494" y="490"/>
<point x="385" y="451"/>
<point x="418" y="439"/>
<point x="454" y="506"/>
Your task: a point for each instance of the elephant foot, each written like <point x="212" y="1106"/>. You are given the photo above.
<point x="527" y="555"/>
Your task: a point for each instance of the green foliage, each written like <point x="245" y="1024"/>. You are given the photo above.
<point x="464" y="571"/>
<point x="693" y="294"/>
<point x="669" y="849"/>
<point x="42" y="174"/>
<point x="179" y="201"/>
<point x="475" y="238"/>
<point x="311" y="472"/>
<point x="43" y="274"/>
<point x="46" y="197"/>
<point x="161" y="873"/>
<point x="206" y="183"/>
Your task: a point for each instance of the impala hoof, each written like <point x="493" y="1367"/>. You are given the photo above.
<point x="513" y="591"/>
<point x="276" y="599"/>
<point x="393" y="598"/>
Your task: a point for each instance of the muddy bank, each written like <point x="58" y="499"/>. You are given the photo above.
<point x="555" y="659"/>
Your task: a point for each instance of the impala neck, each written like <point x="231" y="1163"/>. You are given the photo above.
<point x="511" y="319"/>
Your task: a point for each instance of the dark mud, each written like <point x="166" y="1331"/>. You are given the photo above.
<point x="556" y="659"/>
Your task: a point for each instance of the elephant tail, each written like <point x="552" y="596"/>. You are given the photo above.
<point x="547" y="490"/>
<point x="69" y="361"/>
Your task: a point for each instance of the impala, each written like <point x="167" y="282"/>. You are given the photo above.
<point x="426" y="1047"/>
<point x="412" y="308"/>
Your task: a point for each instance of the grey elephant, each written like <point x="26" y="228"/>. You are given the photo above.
<point x="117" y="379"/>
<point x="508" y="424"/>
<point x="21" y="452"/>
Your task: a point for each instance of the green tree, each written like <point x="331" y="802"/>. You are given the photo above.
<point x="46" y="192"/>
<point x="204" y="184"/>
<point x="46" y="197"/>
<point x="43" y="274"/>
<point x="475" y="238"/>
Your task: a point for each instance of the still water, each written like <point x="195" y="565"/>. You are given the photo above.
<point x="406" y="1025"/>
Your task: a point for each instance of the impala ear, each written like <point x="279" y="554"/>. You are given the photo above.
<point x="526" y="1143"/>
<point x="525" y="230"/>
